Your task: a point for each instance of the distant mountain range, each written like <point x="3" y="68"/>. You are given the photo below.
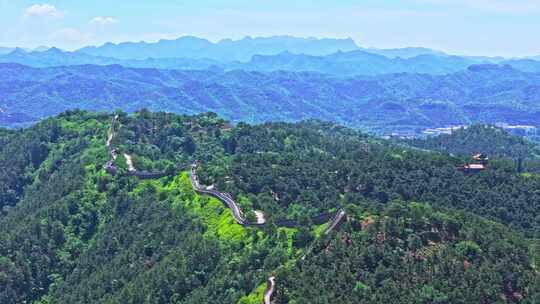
<point x="408" y="52"/>
<point x="225" y="50"/>
<point x="386" y="103"/>
<point x="359" y="63"/>
<point x="55" y="57"/>
<point x="229" y="51"/>
<point x="345" y="64"/>
<point x="4" y="50"/>
<point x="274" y="78"/>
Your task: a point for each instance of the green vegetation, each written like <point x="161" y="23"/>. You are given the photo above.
<point x="416" y="256"/>
<point x="217" y="218"/>
<point x="327" y="166"/>
<point x="485" y="139"/>
<point x="417" y="230"/>
<point x="254" y="298"/>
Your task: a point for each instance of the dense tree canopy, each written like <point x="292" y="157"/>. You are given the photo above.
<point x="489" y="140"/>
<point x="416" y="229"/>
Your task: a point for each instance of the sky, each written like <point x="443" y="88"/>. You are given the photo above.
<point x="508" y="28"/>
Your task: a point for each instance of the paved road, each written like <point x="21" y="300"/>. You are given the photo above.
<point x="129" y="163"/>
<point x="271" y="287"/>
<point x="132" y="171"/>
<point x="224" y="197"/>
<point x="111" y="131"/>
<point x="340" y="215"/>
<point x="109" y="165"/>
<point x="336" y="220"/>
<point x="239" y="217"/>
<point x="237" y="212"/>
<point x="259" y="215"/>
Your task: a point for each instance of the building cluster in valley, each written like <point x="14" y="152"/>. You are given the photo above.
<point x="521" y="130"/>
<point x="410" y="133"/>
<point x="418" y="133"/>
<point x="444" y="130"/>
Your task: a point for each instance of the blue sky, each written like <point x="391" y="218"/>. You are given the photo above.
<point x="474" y="27"/>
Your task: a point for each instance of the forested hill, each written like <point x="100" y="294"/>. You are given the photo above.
<point x="475" y="139"/>
<point x="76" y="231"/>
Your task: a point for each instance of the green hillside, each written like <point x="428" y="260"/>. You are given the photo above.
<point x="414" y="254"/>
<point x="480" y="139"/>
<point x="415" y="228"/>
<point x="488" y="140"/>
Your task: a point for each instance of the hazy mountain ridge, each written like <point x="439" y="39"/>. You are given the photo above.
<point x="225" y="50"/>
<point x="482" y="94"/>
<point x="54" y="57"/>
<point x="351" y="63"/>
<point x="5" y="50"/>
<point x="359" y="63"/>
<point x="406" y="52"/>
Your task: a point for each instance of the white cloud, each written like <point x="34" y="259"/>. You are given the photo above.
<point x="43" y="10"/>
<point x="104" y="20"/>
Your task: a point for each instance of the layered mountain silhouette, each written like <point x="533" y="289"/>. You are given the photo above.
<point x="338" y="57"/>
<point x="224" y="50"/>
<point x="56" y="57"/>
<point x="339" y="64"/>
<point x="5" y="50"/>
<point x="407" y="52"/>
<point x="270" y="79"/>
<point x="481" y="93"/>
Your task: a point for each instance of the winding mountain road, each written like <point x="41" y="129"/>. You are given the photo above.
<point x="109" y="167"/>
<point x="132" y="171"/>
<point x="239" y="218"/>
<point x="111" y="131"/>
<point x="224" y="197"/>
<point x="259" y="215"/>
<point x="129" y="163"/>
<point x="336" y="221"/>
<point x="237" y="212"/>
<point x="271" y="287"/>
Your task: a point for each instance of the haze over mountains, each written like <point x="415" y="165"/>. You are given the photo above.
<point x="329" y="56"/>
<point x="224" y="50"/>
<point x="340" y="57"/>
<point x="482" y="93"/>
<point x="339" y="63"/>
<point x="274" y="78"/>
